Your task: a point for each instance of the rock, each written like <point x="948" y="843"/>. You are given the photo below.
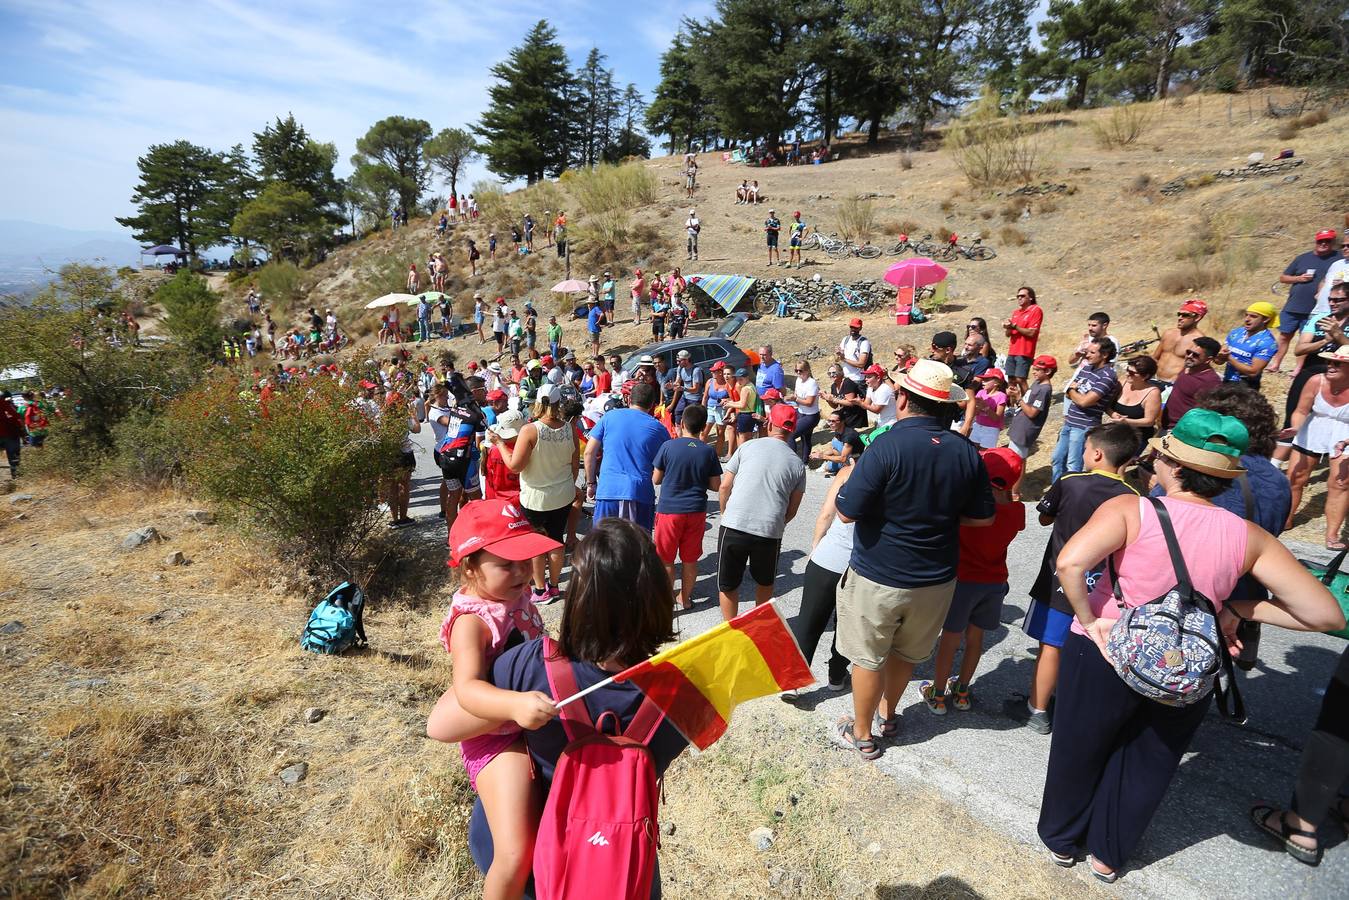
<point x="12" y="627"/>
<point x="294" y="774"/>
<point x="667" y="828"/>
<point x="140" y="537"/>
<point x="176" y="558"/>
<point x="761" y="838"/>
<point x="87" y="683"/>
<point x="1025" y="214"/>
<point x="19" y="498"/>
<point x="1254" y="158"/>
<point x="200" y="516"/>
<point x="874" y="848"/>
<point x="314" y="714"/>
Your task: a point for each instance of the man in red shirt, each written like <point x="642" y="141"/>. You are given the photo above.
<point x="11" y="433"/>
<point x="1197" y="376"/>
<point x="604" y="379"/>
<point x="1023" y="331"/>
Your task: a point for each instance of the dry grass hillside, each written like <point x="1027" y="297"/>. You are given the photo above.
<point x="1110" y="238"/>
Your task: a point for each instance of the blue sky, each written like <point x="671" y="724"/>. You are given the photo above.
<point x="86" y="86"/>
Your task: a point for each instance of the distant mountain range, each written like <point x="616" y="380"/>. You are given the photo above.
<point x="31" y="252"/>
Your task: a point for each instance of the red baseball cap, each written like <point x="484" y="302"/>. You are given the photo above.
<point x="497" y="526"/>
<point x="1003" y="465"/>
<point x="771" y="394"/>
<point x="855" y="323"/>
<point x="1196" y="306"/>
<point x="719" y="364"/>
<point x="546" y="359"/>
<point x="783" y="416"/>
<point x="995" y="372"/>
<point x="1045" y="361"/>
<point x="495" y="395"/>
<point x="1327" y="234"/>
<point x="472" y="366"/>
<point x="368" y="385"/>
<point x="874" y="370"/>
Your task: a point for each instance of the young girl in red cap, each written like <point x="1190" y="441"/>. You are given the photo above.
<point x="493" y="544"/>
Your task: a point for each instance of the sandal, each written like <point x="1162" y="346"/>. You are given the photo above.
<point x="866" y="747"/>
<point x="889" y="728"/>
<point x="1260" y="814"/>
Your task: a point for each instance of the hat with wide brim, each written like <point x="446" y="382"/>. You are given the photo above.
<point x="932" y="380"/>
<point x="1207" y="442"/>
<point x="508" y="424"/>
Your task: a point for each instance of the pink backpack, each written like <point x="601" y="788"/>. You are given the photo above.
<point x="598" y="834"/>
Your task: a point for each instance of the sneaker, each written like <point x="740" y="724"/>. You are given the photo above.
<point x="839" y="686"/>
<point x="1039" y="722"/>
<point x="550" y="596"/>
<point x="960" y="694"/>
<point x="936" y="703"/>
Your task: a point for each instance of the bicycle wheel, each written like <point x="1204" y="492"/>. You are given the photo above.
<point x="982" y="253"/>
<point x="894" y="249"/>
<point x="869" y="251"/>
<point x="810" y="241"/>
<point x="839" y="250"/>
<point x="945" y="253"/>
<point x="925" y="248"/>
<point x="765" y="304"/>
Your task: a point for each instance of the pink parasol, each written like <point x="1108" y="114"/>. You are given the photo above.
<point x="571" y="286"/>
<point x="915" y="272"/>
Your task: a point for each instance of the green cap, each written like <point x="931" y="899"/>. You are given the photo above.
<point x="1206" y="441"/>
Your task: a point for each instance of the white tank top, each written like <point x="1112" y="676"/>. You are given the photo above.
<point x="546" y="483"/>
<point x="1326" y="426"/>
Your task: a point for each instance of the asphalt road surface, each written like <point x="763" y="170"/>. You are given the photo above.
<point x="1201" y="843"/>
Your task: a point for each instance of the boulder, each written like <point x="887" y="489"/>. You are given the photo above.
<point x="294" y="774"/>
<point x="140" y="537"/>
<point x="176" y="558"/>
<point x="761" y="838"/>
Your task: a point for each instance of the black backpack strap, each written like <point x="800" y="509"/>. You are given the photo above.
<point x="1247" y="496"/>
<point x="1333" y="567"/>
<point x="1173" y="546"/>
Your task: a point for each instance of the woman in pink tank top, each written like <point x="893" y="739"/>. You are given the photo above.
<point x="1114" y="751"/>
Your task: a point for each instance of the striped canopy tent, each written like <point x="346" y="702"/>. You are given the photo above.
<point x="725" y="291"/>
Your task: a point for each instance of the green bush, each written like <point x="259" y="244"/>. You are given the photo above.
<point x="279" y="281"/>
<point x="1123" y="126"/>
<point x="302" y="468"/>
<point x="192" y="315"/>
<point x="148" y="451"/>
<point x="608" y="188"/>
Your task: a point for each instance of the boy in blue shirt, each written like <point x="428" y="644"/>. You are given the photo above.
<point x="1251" y="345"/>
<point x="686" y="468"/>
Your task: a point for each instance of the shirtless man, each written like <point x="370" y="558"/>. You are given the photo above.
<point x="1170" y="353"/>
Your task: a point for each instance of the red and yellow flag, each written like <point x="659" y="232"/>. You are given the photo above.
<point x="698" y="682"/>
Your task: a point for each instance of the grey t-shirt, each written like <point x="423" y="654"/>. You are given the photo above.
<point x="1025" y="430"/>
<point x="767" y="473"/>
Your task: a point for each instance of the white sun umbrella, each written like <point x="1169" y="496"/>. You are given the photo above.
<point x="391" y="300"/>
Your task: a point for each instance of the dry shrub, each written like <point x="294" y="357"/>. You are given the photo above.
<point x="1124" y="125"/>
<point x="608" y="188"/>
<point x="1141" y="184"/>
<point x="1012" y="209"/>
<point x="856" y="219"/>
<point x="903" y="226"/>
<point x="1047" y="205"/>
<point x="947" y="205"/>
<point x="497" y="208"/>
<point x="1287" y="131"/>
<point x="1004" y="152"/>
<point x="1318" y="116"/>
<point x="415" y="824"/>
<point x="906" y="160"/>
<point x="942" y="233"/>
<point x="1012" y="236"/>
<point x="1194" y="277"/>
<point x="986" y="213"/>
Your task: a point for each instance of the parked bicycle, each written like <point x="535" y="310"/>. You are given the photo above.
<point x="973" y="250"/>
<point x="843" y="297"/>
<point x="783" y="303"/>
<point x="841" y="249"/>
<point x="1133" y="348"/>
<point x="903" y="245"/>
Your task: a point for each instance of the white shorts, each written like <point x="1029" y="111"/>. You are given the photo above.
<point x="985" y="436"/>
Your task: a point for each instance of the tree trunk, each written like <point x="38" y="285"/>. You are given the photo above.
<point x="828" y="104"/>
<point x="1164" y="71"/>
<point x="1079" y="97"/>
<point x="874" y="130"/>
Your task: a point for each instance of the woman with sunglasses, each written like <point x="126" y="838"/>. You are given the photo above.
<point x="805" y="396"/>
<point x="1139" y="403"/>
<point x="718" y="389"/>
<point x="979" y="326"/>
<point x="1320" y="422"/>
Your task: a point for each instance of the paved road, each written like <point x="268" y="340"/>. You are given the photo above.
<point x="1200" y="845"/>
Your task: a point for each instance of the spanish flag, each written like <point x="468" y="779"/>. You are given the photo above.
<point x="698" y="683"/>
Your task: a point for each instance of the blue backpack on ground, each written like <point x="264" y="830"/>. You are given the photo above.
<point x="335" y="624"/>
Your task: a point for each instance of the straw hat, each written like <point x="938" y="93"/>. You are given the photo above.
<point x="1207" y="442"/>
<point x="932" y="380"/>
<point x="508" y="424"/>
<point x="1339" y="354"/>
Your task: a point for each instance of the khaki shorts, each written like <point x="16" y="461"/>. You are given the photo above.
<point x="875" y="620"/>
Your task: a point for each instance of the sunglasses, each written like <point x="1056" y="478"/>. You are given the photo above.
<point x="1185" y="315"/>
<point x="1131" y="371"/>
<point x="1193" y="353"/>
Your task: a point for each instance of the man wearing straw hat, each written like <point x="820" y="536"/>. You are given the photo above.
<point x="1251" y="345"/>
<point x="909" y="494"/>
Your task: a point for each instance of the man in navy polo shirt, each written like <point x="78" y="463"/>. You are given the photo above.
<point x="1303" y="275"/>
<point x="909" y="494"/>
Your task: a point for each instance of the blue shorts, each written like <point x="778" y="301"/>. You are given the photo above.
<point x="1046" y="624"/>
<point x="1017" y="367"/>
<point x="641" y="514"/>
<point x="1292" y="322"/>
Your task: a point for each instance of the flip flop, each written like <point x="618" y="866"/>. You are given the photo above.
<point x="1335" y="545"/>
<point x="1260" y="814"/>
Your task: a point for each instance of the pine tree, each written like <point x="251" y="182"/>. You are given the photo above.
<point x="630" y="141"/>
<point x="286" y="152"/>
<point x="449" y="152"/>
<point x="525" y="126"/>
<point x="236" y="186"/>
<point x="595" y="111"/>
<point x="175" y="197"/>
<point x="394" y="144"/>
<point x="1082" y="40"/>
<point x="678" y="110"/>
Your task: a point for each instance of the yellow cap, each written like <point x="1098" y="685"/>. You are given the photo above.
<point x="1266" y="309"/>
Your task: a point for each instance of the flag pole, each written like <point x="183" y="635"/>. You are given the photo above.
<point x="579" y="694"/>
